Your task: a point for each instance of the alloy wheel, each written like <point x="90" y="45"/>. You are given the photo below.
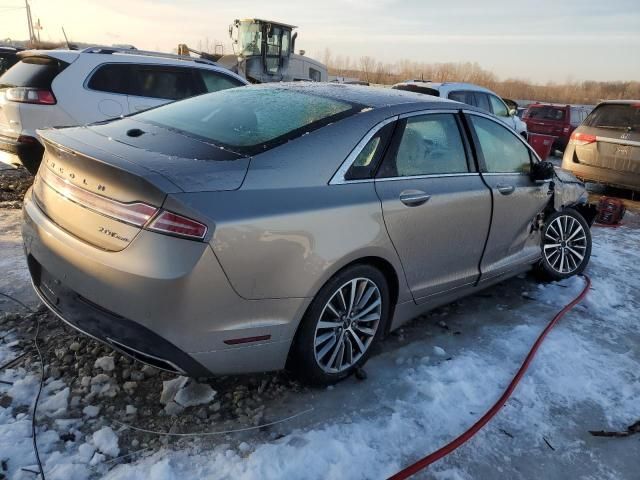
<point x="565" y="244"/>
<point x="347" y="325"/>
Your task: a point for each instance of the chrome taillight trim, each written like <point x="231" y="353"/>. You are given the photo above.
<point x="122" y="212"/>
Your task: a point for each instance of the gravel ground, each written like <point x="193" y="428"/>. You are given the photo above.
<point x="14" y="182"/>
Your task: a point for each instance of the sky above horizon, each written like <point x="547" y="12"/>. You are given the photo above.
<point x="541" y="41"/>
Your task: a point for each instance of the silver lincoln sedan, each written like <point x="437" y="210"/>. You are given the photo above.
<point x="288" y="225"/>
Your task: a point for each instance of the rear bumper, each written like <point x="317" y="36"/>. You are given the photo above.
<point x="607" y="176"/>
<point x="29" y="153"/>
<point x="163" y="300"/>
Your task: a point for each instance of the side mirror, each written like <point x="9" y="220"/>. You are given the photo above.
<point x="542" y="171"/>
<point x="513" y="112"/>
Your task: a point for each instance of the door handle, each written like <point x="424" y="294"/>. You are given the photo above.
<point x="505" y="189"/>
<point x="413" y="198"/>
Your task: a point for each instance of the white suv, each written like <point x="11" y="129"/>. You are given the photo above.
<point x="48" y="88"/>
<point x="470" y="94"/>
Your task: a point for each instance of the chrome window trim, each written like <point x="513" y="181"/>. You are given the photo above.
<point x="617" y="141"/>
<point x="495" y="119"/>
<point x="338" y="177"/>
<point x="432" y="175"/>
<point x="419" y="113"/>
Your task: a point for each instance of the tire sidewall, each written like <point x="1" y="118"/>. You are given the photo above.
<point x="303" y="361"/>
<point x="548" y="271"/>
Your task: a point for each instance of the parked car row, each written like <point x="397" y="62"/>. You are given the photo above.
<point x="71" y="87"/>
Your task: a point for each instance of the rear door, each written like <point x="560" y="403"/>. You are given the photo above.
<point x="436" y="208"/>
<point x="505" y="161"/>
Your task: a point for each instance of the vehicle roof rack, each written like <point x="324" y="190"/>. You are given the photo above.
<point x="147" y="53"/>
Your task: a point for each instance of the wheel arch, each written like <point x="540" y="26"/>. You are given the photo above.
<point x="385" y="266"/>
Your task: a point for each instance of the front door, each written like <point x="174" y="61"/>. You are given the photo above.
<point x="517" y="200"/>
<point x="436" y="207"/>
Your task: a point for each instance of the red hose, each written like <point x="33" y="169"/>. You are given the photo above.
<point x="476" y="427"/>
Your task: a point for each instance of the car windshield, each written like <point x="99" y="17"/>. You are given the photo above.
<point x="250" y="38"/>
<point x="546" y="113"/>
<point x="617" y="116"/>
<point x="250" y="120"/>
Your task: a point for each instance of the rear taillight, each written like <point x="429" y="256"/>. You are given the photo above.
<point x="582" y="138"/>
<point x="30" y="95"/>
<point x="135" y="213"/>
<point x="139" y="214"/>
<point x="174" y="224"/>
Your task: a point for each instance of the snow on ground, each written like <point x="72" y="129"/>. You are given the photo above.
<point x="426" y="384"/>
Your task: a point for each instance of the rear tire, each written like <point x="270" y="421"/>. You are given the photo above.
<point x="345" y="319"/>
<point x="566" y="245"/>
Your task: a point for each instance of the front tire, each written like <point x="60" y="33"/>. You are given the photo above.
<point x="343" y="322"/>
<point x="566" y="245"/>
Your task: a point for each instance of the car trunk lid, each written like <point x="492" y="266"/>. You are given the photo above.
<point x="105" y="191"/>
<point x="612" y="152"/>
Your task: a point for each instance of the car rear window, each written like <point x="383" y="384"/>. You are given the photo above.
<point x="617" y="116"/>
<point x="417" y="89"/>
<point x="252" y="119"/>
<point x="546" y="113"/>
<point x="34" y="72"/>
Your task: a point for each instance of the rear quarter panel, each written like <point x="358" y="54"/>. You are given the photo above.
<point x="286" y="230"/>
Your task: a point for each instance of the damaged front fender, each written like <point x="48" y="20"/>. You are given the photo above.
<point x="569" y="192"/>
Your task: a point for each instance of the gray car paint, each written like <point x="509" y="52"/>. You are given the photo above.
<point x="277" y="237"/>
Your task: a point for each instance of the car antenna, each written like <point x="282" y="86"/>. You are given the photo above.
<point x="66" y="39"/>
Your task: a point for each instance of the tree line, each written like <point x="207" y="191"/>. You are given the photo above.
<point x="370" y="70"/>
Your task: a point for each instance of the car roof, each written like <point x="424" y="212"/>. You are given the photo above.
<point x="370" y="97"/>
<point x="446" y="85"/>
<point x="125" y="54"/>
<point x="9" y="49"/>
<point x="620" y="102"/>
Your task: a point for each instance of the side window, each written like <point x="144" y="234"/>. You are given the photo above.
<point x="163" y="82"/>
<point x="315" y="75"/>
<point x="214" y="81"/>
<point x="503" y="151"/>
<point x="482" y="101"/>
<point x="111" y="78"/>
<point x="498" y="107"/>
<point x="430" y="144"/>
<point x="462" y="96"/>
<point x="365" y="163"/>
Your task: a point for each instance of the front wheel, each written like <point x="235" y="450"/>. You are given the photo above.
<point x="566" y="245"/>
<point x="341" y="325"/>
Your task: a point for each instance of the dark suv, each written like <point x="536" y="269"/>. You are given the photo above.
<point x="8" y="57"/>
<point x="556" y="120"/>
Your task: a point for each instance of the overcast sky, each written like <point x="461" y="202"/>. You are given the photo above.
<point x="539" y="40"/>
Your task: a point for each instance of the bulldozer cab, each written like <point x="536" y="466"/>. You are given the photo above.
<point x="270" y="41"/>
